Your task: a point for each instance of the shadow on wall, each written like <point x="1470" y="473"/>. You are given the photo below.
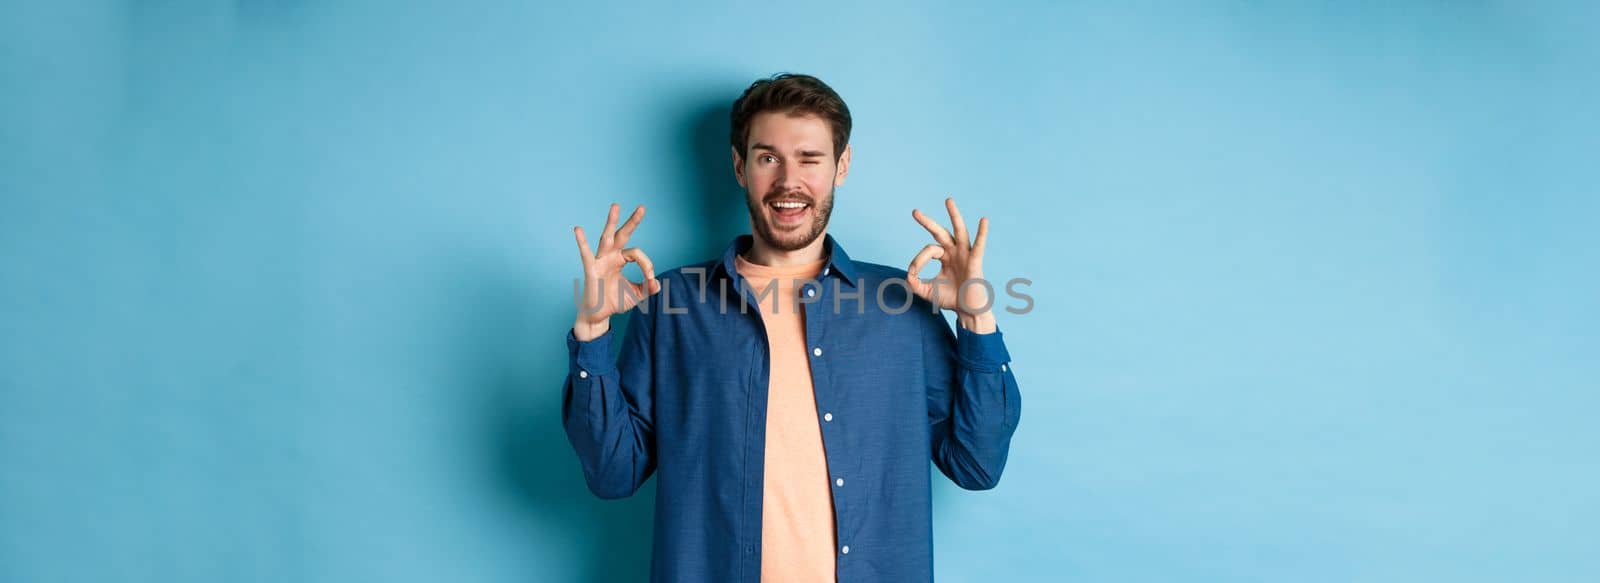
<point x="515" y="341"/>
<point x="714" y="195"/>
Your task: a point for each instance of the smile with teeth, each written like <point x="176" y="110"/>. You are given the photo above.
<point x="789" y="210"/>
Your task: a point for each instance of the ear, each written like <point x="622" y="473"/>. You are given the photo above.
<point x="844" y="167"/>
<point x="738" y="166"/>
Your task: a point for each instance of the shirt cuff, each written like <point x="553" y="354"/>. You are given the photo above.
<point x="985" y="352"/>
<point x="593" y="356"/>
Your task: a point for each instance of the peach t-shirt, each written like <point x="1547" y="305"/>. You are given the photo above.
<point x="797" y="530"/>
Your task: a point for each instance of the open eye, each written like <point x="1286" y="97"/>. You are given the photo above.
<point x="768" y="158"/>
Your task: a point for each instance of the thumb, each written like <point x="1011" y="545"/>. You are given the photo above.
<point x="918" y="287"/>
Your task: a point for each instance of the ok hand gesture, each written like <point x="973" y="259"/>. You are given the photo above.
<point x="602" y="275"/>
<point x="960" y="261"/>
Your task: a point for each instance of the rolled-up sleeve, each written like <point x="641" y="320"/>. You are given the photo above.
<point x="973" y="403"/>
<point x="607" y="408"/>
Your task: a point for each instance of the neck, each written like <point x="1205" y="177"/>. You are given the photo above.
<point x="763" y="253"/>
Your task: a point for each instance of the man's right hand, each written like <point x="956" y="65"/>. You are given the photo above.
<point x="602" y="274"/>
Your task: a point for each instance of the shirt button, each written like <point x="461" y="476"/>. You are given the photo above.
<point x="1002" y="367"/>
<point x="839" y="482"/>
<point x="583" y="374"/>
<point x="810" y="292"/>
<point x="827" y="417"/>
<point x="845" y="550"/>
<point x="817" y="351"/>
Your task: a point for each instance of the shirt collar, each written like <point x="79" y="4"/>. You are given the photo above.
<point x="839" y="263"/>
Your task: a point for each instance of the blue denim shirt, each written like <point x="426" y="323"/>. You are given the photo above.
<point x="687" y="400"/>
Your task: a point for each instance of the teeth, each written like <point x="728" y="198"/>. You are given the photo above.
<point x="789" y="205"/>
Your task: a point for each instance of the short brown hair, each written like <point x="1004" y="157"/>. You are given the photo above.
<point x="792" y="94"/>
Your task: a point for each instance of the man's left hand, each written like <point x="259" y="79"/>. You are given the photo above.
<point x="960" y="261"/>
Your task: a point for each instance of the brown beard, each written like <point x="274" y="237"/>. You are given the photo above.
<point x="763" y="228"/>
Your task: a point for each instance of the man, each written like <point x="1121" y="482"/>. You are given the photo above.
<point x="788" y="397"/>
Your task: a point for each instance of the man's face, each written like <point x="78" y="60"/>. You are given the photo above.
<point x="789" y="159"/>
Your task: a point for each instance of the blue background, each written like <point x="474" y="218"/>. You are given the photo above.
<point x="285" y="283"/>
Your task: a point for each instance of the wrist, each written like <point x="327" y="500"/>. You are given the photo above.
<point x="588" y="331"/>
<point x="982" y="323"/>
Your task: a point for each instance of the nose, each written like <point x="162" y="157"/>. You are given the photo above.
<point x="787" y="179"/>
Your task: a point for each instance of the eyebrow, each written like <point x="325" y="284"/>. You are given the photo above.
<point x="803" y="153"/>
